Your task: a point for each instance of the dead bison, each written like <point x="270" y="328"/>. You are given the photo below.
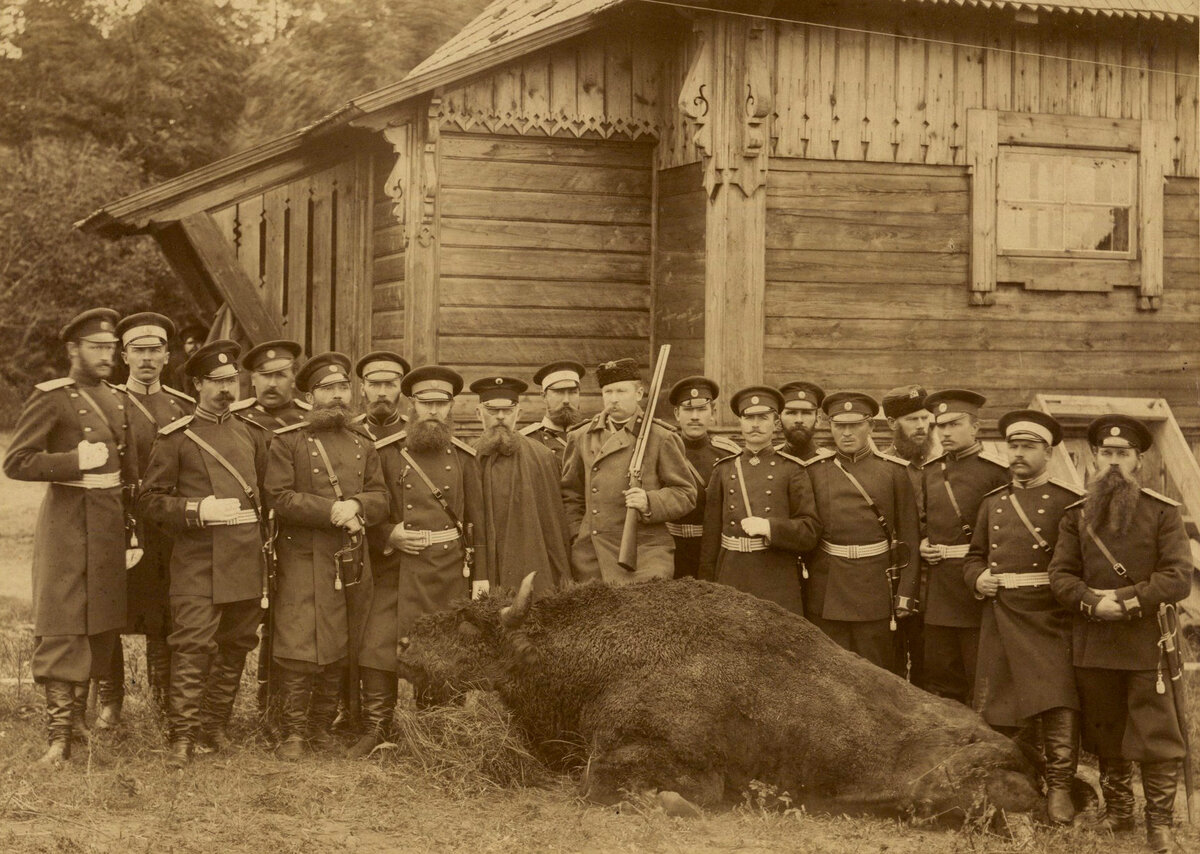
<point x="697" y="688"/>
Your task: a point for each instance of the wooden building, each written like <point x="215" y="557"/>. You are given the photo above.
<point x="984" y="193"/>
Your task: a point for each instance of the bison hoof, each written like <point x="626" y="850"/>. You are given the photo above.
<point x="675" y="804"/>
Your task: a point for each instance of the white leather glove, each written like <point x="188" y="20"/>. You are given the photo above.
<point x="92" y="455"/>
<point x="756" y="526"/>
<point x="215" y="510"/>
<point x="479" y="588"/>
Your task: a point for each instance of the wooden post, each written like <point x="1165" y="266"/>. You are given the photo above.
<point x="1153" y="165"/>
<point x="422" y="265"/>
<point x="983" y="158"/>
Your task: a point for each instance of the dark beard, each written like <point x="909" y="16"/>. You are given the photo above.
<point x="329" y="418"/>
<point x="1111" y="502"/>
<point x="800" y="438"/>
<point x="497" y="439"/>
<point x="428" y="435"/>
<point x="566" y="417"/>
<point x="381" y="411"/>
<point x="911" y="449"/>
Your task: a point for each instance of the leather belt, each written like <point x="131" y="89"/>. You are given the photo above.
<point x="743" y="544"/>
<point x="242" y="517"/>
<point x="855" y="551"/>
<point x="94" y="481"/>
<point x="952" y="551"/>
<point x="677" y="529"/>
<point x="1010" y="580"/>
<point x="428" y="538"/>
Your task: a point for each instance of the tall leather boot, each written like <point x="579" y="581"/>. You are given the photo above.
<point x="79" y="725"/>
<point x="378" y="708"/>
<point x="295" y="691"/>
<point x="158" y="673"/>
<point x="327" y="690"/>
<point x="1116" y="786"/>
<point x="60" y="702"/>
<point x="1060" y="730"/>
<point x="189" y="674"/>
<point x="1159" y="780"/>
<point x="1031" y="739"/>
<point x="224" y="677"/>
<point x="110" y="691"/>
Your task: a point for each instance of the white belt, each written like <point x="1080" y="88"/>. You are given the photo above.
<point x="242" y="517"/>
<point x="1009" y="580"/>
<point x="856" y="551"/>
<point x="743" y="544"/>
<point x="94" y="481"/>
<point x="952" y="551"/>
<point x="680" y="530"/>
<point x="428" y="538"/>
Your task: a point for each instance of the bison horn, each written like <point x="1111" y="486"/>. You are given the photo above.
<point x="512" y="616"/>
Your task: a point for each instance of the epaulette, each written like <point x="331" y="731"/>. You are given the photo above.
<point x="177" y="393"/>
<point x="51" y="385"/>
<point x="306" y="406"/>
<point x="890" y="458"/>
<point x="278" y="430"/>
<point x="387" y="440"/>
<point x="462" y="446"/>
<point x="239" y="405"/>
<point x="987" y="455"/>
<point x="1068" y="486"/>
<point x="820" y="455"/>
<point x="175" y="425"/>
<point x="724" y="443"/>
<point x="1168" y="501"/>
<point x="246" y="419"/>
<point x="791" y="457"/>
<point x="530" y="429"/>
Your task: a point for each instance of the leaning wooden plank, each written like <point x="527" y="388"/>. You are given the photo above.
<point x="219" y="263"/>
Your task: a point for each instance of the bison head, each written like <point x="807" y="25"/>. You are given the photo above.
<point x="478" y="645"/>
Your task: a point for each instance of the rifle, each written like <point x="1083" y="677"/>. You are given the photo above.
<point x="1168" y="625"/>
<point x="627" y="557"/>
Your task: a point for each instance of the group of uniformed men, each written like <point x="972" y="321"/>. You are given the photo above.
<point x="980" y="580"/>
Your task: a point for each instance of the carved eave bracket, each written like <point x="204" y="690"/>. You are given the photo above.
<point x="429" y="175"/>
<point x="400" y="138"/>
<point x="727" y="97"/>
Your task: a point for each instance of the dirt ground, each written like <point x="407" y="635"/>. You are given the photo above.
<point x="116" y="794"/>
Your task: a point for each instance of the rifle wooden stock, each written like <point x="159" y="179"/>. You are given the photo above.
<point x="627" y="554"/>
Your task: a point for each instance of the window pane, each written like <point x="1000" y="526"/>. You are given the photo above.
<point x="1097" y="228"/>
<point x="1029" y="227"/>
<point x="1031" y="177"/>
<point x="1100" y="180"/>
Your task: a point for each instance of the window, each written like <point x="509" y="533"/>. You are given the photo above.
<point x="1066" y="203"/>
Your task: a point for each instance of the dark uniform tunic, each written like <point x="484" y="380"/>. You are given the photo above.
<point x="909" y="646"/>
<point x="1024" y="665"/>
<point x="150" y="409"/>
<point x="850" y="598"/>
<point x="1117" y="660"/>
<point x="780" y="491"/>
<point x="396" y="424"/>
<point x="79" y="541"/>
<point x="805" y="453"/>
<point x="311" y="622"/>
<point x="409" y="586"/>
<point x="290" y="413"/>
<point x="595" y="477"/>
<point x="550" y="436"/>
<point x="952" y="612"/>
<point x="702" y="455"/>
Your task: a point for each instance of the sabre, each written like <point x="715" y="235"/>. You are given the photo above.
<point x="1168" y="626"/>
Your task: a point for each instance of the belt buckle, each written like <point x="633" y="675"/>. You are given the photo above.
<point x="852" y="551"/>
<point x="426" y="539"/>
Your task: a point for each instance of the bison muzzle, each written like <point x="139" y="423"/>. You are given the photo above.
<point x="700" y="689"/>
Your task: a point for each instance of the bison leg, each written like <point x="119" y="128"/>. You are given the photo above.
<point x="635" y="766"/>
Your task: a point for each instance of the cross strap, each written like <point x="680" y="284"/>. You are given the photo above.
<point x="142" y="408"/>
<point x="742" y="483"/>
<point x="225" y="464"/>
<point x="879" y="517"/>
<point x="117" y="436"/>
<point x="1038" y="538"/>
<point x="1118" y="567"/>
<point x="333" y="478"/>
<point x="437" y="493"/>
<point x="954" y="503"/>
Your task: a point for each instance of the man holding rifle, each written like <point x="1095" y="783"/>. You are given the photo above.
<point x="1122" y="560"/>
<point x="596" y="487"/>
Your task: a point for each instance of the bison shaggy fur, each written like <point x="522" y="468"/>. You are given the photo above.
<point x="700" y="689"/>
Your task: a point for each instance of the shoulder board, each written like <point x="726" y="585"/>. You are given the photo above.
<point x="174" y="392"/>
<point x="1068" y="486"/>
<point x="51" y="385"/>
<point x="1078" y="503"/>
<point x="387" y="440"/>
<point x="998" y="490"/>
<point x="993" y="459"/>
<point x="306" y="406"/>
<point x="724" y="443"/>
<point x="821" y="455"/>
<point x="788" y="456"/>
<point x="246" y="419"/>
<point x="897" y="460"/>
<point x="278" y="430"/>
<point x="177" y="424"/>
<point x="461" y="445"/>
<point x="530" y="429"/>
<point x="933" y="460"/>
<point x="239" y="405"/>
<point x="359" y="419"/>
<point x="361" y="430"/>
<point x="666" y="425"/>
<point x="1169" y="501"/>
<point x="118" y="387"/>
<point x="726" y="459"/>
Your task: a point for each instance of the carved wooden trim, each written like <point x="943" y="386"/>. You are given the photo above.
<point x="578" y="126"/>
<point x="400" y="138"/>
<point x="429" y="173"/>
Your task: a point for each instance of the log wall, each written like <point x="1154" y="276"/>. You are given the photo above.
<point x="866" y="272"/>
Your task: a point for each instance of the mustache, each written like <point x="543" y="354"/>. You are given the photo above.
<point x="497" y="439"/>
<point x="1111" y="501"/>
<point x="332" y="417"/>
<point x="429" y="434"/>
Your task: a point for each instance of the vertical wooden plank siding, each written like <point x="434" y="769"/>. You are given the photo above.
<point x="983" y="157"/>
<point x="249" y="231"/>
<point x="321" y="308"/>
<point x="679" y="311"/>
<point x="1187" y="100"/>
<point x="299" y="202"/>
<point x="275" y="206"/>
<point x="389" y="244"/>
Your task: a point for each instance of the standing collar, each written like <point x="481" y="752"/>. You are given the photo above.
<point x="859" y="457"/>
<point x="141" y="388"/>
<point x="1041" y="480"/>
<point x="205" y="415"/>
<point x="966" y="452"/>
